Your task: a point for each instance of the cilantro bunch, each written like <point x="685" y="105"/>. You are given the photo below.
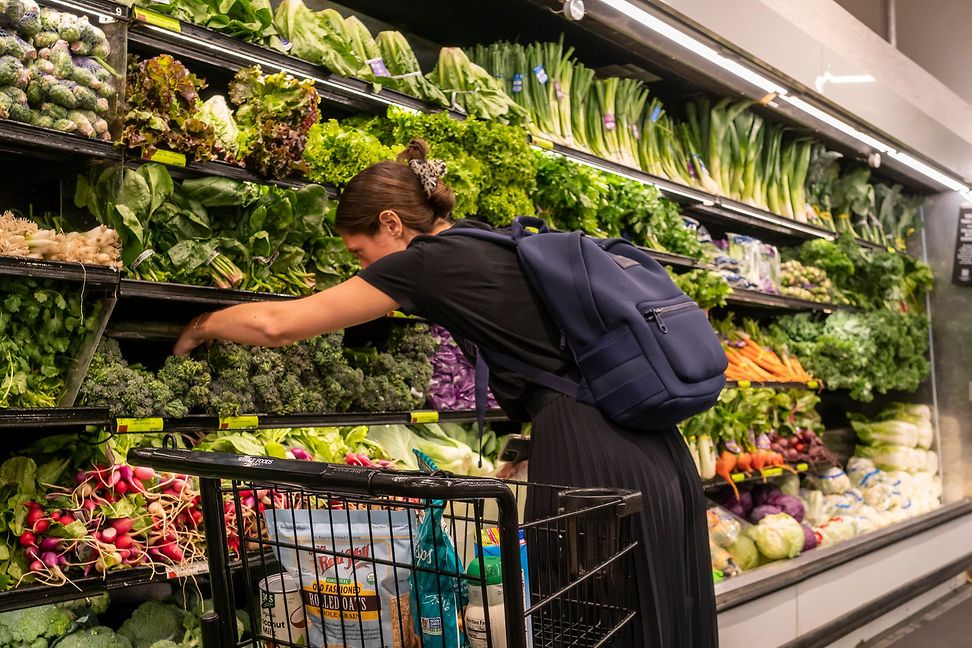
<point x="42" y="326"/>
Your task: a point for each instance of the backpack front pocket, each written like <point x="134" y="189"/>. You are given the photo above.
<point x="685" y="337"/>
<point x="618" y="373"/>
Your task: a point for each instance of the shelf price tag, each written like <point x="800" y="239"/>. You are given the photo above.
<point x="542" y="143"/>
<point x="158" y="20"/>
<point x="802" y="466"/>
<point x="170" y="158"/>
<point x="424" y="416"/>
<point x="743" y="384"/>
<point x="812" y="384"/>
<point x="738" y="477"/>
<point x="775" y="471"/>
<point x="123" y="425"/>
<point x="239" y="422"/>
<point x="401" y="315"/>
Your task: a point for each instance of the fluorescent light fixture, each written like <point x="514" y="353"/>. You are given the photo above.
<point x="930" y="172"/>
<point x="792" y="223"/>
<point x="841" y="79"/>
<point x="693" y="45"/>
<point x="838" y="124"/>
<point x="87" y="10"/>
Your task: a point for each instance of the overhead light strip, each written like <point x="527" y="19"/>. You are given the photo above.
<point x="768" y="85"/>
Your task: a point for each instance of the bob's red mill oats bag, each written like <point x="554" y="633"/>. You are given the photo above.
<point x="350" y="599"/>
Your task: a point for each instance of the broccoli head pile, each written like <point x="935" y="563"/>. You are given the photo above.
<point x="229" y="379"/>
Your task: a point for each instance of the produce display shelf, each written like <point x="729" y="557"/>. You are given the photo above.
<point x="52" y="417"/>
<point x="755" y="476"/>
<point x="90" y="275"/>
<point x="195" y="423"/>
<point x="757" y="299"/>
<point x="761" y="384"/>
<point x="138" y="289"/>
<point x="16" y="137"/>
<point x="79" y="588"/>
<point x="767" y="579"/>
<point x="197" y="44"/>
<point x="179" y="167"/>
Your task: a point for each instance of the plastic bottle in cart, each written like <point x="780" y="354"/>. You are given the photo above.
<point x="477" y="609"/>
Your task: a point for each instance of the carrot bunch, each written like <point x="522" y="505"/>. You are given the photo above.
<point x="748" y="360"/>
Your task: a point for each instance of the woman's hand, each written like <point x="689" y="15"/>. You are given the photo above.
<point x="276" y="323"/>
<point x="190" y="338"/>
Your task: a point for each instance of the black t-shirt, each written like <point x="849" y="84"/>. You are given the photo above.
<point x="477" y="291"/>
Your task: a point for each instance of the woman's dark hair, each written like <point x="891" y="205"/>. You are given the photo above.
<point x="393" y="185"/>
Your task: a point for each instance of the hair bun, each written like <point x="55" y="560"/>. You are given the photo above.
<point x="417" y="149"/>
<point x="442" y="201"/>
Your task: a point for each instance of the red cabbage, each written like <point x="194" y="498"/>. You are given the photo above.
<point x="809" y="538"/>
<point x="740" y="506"/>
<point x="790" y="505"/>
<point x="762" y="511"/>
<point x="453" y="384"/>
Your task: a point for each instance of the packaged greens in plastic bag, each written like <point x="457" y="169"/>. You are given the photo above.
<point x="438" y="595"/>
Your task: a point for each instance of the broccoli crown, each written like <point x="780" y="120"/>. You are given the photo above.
<point x="151" y="622"/>
<point x="97" y="637"/>
<point x="27" y="626"/>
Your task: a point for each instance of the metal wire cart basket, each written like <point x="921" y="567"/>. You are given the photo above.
<point x="326" y="555"/>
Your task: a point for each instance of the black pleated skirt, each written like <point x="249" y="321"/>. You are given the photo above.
<point x="573" y="445"/>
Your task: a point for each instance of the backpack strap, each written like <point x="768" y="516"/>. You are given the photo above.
<point x="543" y="378"/>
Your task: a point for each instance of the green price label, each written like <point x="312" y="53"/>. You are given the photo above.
<point x="170" y="158"/>
<point x="239" y="422"/>
<point x="158" y="20"/>
<point x="738" y="477"/>
<point x="542" y="143"/>
<point x="424" y="416"/>
<point x="139" y="425"/>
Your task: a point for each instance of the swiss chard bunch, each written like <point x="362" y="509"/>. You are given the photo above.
<point x="163" y="107"/>
<point x="274" y="114"/>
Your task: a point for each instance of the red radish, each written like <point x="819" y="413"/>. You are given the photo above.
<point x="122" y="525"/>
<point x="66" y="519"/>
<point x="27" y="539"/>
<point x="108" y="535"/>
<point x="48" y="544"/>
<point x="121" y="487"/>
<point x="172" y="552"/>
<point x="32" y="553"/>
<point x="55" y="516"/>
<point x="41" y="525"/>
<point x="34" y="514"/>
<point x="142" y="473"/>
<point x="88" y="505"/>
<point x="123" y="541"/>
<point x="37" y="566"/>
<point x="49" y="558"/>
<point x="156" y="509"/>
<point x="125" y="472"/>
<point x="125" y="554"/>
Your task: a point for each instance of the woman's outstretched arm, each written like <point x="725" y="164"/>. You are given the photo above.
<point x="276" y="323"/>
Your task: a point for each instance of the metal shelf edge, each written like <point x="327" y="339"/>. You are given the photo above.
<point x="51" y="417"/>
<point x="60" y="270"/>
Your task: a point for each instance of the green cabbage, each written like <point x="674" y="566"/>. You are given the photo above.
<point x="900" y="433"/>
<point x="778" y="536"/>
<point x="744" y="553"/>
<point x="895" y="457"/>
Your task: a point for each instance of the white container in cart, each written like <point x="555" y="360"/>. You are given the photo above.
<point x="282" y="611"/>
<point x="477" y="609"/>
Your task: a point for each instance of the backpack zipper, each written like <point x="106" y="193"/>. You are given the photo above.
<point x="655" y="314"/>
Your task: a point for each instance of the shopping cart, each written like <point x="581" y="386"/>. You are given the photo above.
<point x="330" y="555"/>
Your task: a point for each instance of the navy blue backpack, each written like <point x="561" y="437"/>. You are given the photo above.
<point x="647" y="356"/>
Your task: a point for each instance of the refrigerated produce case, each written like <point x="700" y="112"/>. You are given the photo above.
<point x="144" y="315"/>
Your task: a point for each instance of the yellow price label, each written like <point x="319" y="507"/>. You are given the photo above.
<point x="139" y="425"/>
<point x="424" y="416"/>
<point x="239" y="422"/>
<point x="776" y="471"/>
<point x="802" y="466"/>
<point x="738" y="477"/>
<point x="152" y="18"/>
<point x="170" y="158"/>
<point x="743" y="384"/>
<point x="401" y="315"/>
<point x="812" y="384"/>
<point x="891" y="250"/>
<point x="542" y="143"/>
